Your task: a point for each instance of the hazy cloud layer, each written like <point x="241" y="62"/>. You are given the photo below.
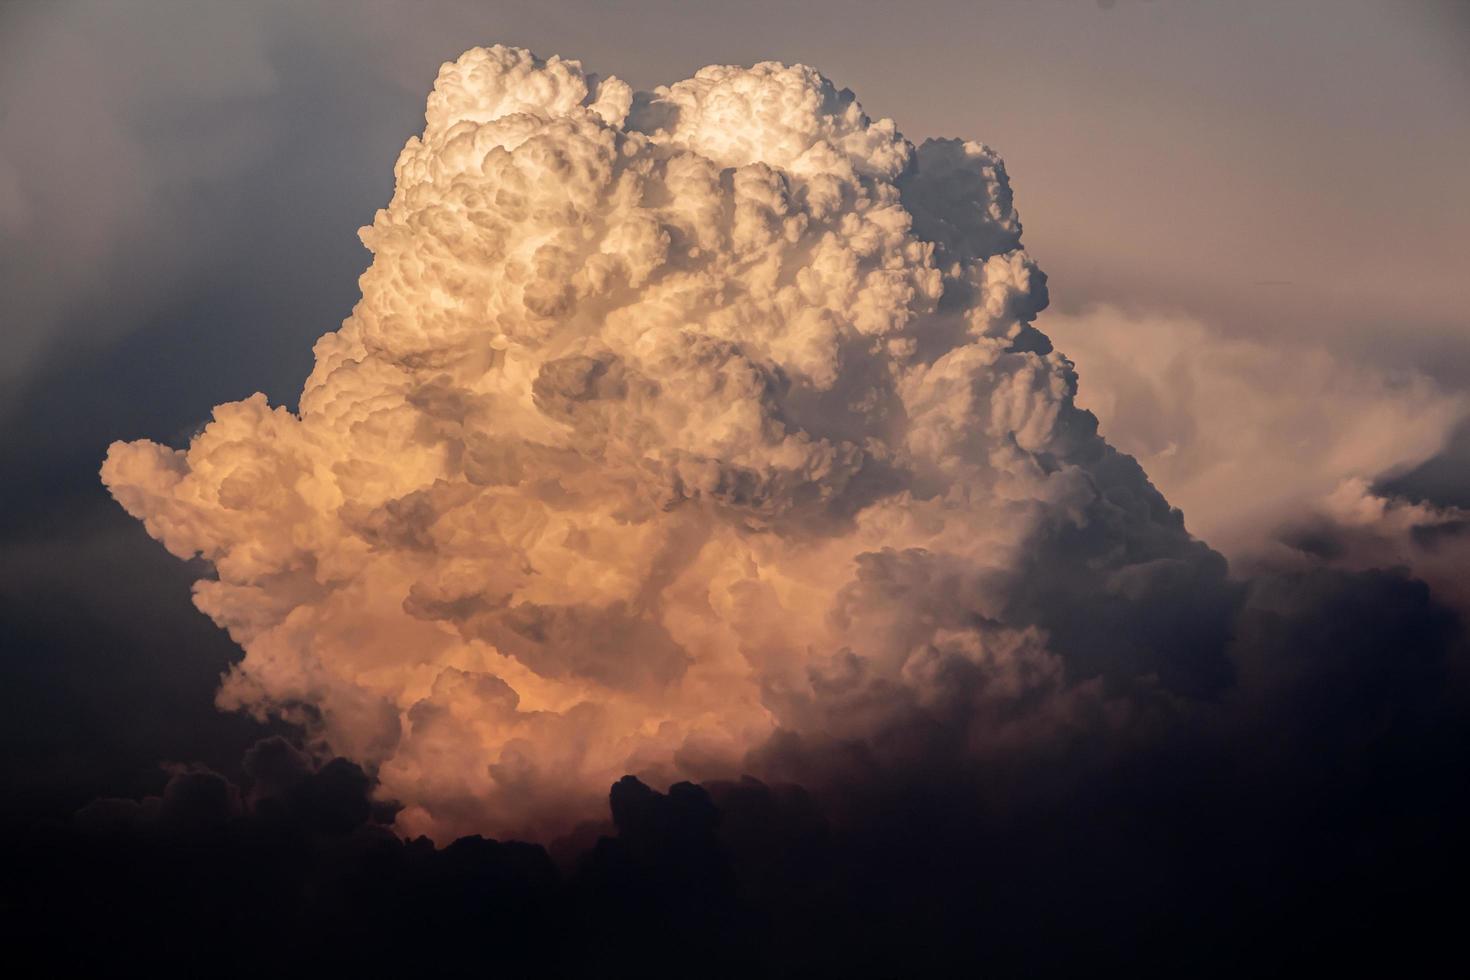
<point x="1246" y="434"/>
<point x="103" y="166"/>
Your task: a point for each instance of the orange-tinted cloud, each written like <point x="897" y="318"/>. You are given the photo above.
<point x="668" y="420"/>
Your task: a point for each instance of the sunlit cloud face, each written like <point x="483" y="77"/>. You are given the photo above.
<point x="665" y="421"/>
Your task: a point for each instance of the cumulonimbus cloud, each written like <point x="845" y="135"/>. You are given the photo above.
<point x="668" y="421"/>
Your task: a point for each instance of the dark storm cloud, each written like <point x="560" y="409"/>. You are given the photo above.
<point x="1442" y="480"/>
<point x="1307" y="820"/>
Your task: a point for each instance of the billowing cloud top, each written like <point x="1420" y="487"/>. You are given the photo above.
<point x="667" y="421"/>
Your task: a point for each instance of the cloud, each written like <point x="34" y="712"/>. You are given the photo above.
<point x="1284" y="456"/>
<point x="1442" y="479"/>
<point x="1247" y="434"/>
<point x="1356" y="528"/>
<point x="1306" y="823"/>
<point x="668" y="421"/>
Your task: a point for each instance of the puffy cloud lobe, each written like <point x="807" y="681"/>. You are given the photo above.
<point x="665" y="422"/>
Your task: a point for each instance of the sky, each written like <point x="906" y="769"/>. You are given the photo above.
<point x="1252" y="220"/>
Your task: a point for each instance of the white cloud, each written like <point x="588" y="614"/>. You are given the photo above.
<point x="665" y="421"/>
